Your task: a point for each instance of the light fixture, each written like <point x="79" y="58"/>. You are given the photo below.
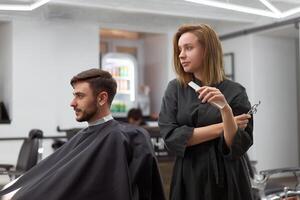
<point x="234" y="7"/>
<point x="273" y="13"/>
<point x="278" y="12"/>
<point x="14" y="7"/>
<point x="290" y="12"/>
<point x="270" y="6"/>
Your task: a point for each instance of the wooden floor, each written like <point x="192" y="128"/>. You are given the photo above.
<point x="166" y="173"/>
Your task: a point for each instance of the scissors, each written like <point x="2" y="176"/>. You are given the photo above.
<point x="253" y="109"/>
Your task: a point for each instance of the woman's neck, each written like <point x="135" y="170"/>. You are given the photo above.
<point x="198" y="75"/>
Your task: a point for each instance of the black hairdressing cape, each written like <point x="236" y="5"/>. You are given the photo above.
<point x="110" y="161"/>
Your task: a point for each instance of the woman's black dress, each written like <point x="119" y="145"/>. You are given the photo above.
<point x="210" y="170"/>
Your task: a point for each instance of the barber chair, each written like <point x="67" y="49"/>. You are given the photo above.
<point x="28" y="156"/>
<point x="69" y="134"/>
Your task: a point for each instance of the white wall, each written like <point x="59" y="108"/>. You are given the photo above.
<point x="156" y="51"/>
<point x="298" y="89"/>
<point x="266" y="66"/>
<point x="6" y="65"/>
<point x="171" y="72"/>
<point x="243" y="61"/>
<point x="275" y="84"/>
<point x="46" y="54"/>
<point x="2" y="57"/>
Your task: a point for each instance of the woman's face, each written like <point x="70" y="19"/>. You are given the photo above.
<point x="190" y="53"/>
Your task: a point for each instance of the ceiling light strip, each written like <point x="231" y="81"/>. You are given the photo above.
<point x="271" y="7"/>
<point x="37" y="4"/>
<point x="13" y="7"/>
<point x="290" y="12"/>
<point x="237" y="8"/>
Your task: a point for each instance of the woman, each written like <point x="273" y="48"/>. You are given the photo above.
<point x="209" y="141"/>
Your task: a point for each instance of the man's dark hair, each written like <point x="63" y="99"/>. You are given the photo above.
<point x="99" y="80"/>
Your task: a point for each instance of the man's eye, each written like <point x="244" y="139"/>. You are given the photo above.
<point x="79" y="96"/>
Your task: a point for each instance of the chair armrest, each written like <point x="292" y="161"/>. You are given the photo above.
<point x="15" y="173"/>
<point x="6" y="167"/>
<point x="11" y="173"/>
<point x="279" y="170"/>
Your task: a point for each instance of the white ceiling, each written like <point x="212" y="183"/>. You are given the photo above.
<point x="19" y="2"/>
<point x="155" y="15"/>
<point x="181" y="8"/>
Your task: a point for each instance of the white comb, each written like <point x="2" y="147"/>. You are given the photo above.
<point x="196" y="87"/>
<point x="193" y="85"/>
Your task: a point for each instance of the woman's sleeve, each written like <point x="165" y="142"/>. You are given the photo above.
<point x="175" y="136"/>
<point x="243" y="139"/>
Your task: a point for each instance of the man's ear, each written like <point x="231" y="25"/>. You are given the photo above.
<point x="102" y="98"/>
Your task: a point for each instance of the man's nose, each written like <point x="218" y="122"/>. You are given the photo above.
<point x="73" y="103"/>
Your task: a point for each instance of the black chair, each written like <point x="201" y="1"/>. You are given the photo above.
<point x="69" y="134"/>
<point x="4" y="118"/>
<point x="28" y="156"/>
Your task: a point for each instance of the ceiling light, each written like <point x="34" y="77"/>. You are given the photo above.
<point x="30" y="7"/>
<point x="271" y="7"/>
<point x="290" y="12"/>
<point x="278" y="12"/>
<point x="234" y="7"/>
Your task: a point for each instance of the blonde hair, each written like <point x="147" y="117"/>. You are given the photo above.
<point x="213" y="70"/>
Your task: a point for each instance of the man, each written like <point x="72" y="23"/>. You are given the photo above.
<point x="107" y="160"/>
<point x="135" y="116"/>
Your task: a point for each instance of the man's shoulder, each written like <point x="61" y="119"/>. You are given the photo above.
<point x="122" y="128"/>
<point x="132" y="133"/>
<point x="124" y="131"/>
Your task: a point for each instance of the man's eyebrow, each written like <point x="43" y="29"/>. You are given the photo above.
<point x="78" y="93"/>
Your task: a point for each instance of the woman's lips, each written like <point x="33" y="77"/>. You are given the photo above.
<point x="184" y="64"/>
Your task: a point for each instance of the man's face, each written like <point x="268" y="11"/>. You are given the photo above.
<point x="84" y="103"/>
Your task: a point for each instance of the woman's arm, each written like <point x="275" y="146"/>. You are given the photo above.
<point x="229" y="125"/>
<point x="243" y="137"/>
<point x="206" y="133"/>
<point x="237" y="131"/>
<point x="175" y="136"/>
<point x="213" y="96"/>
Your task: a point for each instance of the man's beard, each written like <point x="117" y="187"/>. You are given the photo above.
<point x="90" y="113"/>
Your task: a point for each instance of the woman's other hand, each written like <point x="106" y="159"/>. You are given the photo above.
<point x="242" y="120"/>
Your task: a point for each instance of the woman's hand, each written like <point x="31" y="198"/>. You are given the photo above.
<point x="213" y="96"/>
<point x="242" y="120"/>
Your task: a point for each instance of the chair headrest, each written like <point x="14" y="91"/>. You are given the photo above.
<point x="35" y="133"/>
